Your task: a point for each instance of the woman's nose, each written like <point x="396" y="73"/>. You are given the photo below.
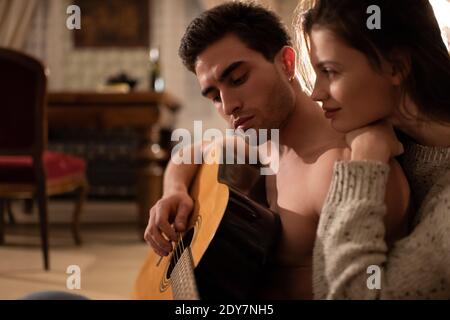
<point x="319" y="93"/>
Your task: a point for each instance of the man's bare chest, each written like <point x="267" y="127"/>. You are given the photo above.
<point x="290" y="188"/>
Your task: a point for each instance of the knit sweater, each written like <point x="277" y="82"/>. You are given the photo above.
<point x="350" y="235"/>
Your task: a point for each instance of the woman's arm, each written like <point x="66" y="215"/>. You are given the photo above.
<point x="350" y="239"/>
<point x="351" y="253"/>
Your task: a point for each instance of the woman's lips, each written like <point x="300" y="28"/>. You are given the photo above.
<point x="242" y="123"/>
<point x="331" y="113"/>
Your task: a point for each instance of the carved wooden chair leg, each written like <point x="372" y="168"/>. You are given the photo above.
<point x="81" y="193"/>
<point x="2" y="221"/>
<point x="28" y="206"/>
<point x="11" y="218"/>
<point x="43" y="222"/>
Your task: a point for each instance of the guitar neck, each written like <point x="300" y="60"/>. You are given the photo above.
<point x="184" y="286"/>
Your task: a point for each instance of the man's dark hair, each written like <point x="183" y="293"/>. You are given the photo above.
<point x="259" y="28"/>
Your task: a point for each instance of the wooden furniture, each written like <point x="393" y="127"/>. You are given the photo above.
<point x="138" y="110"/>
<point x="27" y="169"/>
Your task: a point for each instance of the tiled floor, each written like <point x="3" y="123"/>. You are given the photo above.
<point x="109" y="259"/>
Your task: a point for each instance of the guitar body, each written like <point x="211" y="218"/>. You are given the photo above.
<point x="229" y="239"/>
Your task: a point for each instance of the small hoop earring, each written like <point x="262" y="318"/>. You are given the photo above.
<point x="291" y="78"/>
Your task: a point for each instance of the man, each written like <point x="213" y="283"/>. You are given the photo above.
<point x="244" y="63"/>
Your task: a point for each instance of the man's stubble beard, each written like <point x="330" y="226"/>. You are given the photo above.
<point x="285" y="105"/>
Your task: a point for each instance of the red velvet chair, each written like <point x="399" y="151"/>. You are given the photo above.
<point x="27" y="169"/>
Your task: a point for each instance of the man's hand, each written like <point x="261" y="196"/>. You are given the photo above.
<point x="167" y="217"/>
<point x="376" y="142"/>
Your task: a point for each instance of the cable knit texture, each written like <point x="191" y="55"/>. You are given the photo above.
<point x="350" y="235"/>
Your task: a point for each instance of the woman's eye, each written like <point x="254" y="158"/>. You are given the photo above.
<point x="329" y="72"/>
<point x="216" y="99"/>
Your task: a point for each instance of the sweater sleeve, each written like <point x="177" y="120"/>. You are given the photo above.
<point x="351" y="259"/>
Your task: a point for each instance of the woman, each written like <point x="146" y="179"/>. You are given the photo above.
<point x="368" y="80"/>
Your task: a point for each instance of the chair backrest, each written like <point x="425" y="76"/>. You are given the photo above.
<point x="23" y="121"/>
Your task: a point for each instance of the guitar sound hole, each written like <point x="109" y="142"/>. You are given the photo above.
<point x="179" y="249"/>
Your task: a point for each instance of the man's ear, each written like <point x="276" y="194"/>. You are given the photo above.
<point x="287" y="56"/>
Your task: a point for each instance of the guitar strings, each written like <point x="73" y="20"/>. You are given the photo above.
<point x="182" y="244"/>
<point x="179" y="245"/>
<point x="175" y="252"/>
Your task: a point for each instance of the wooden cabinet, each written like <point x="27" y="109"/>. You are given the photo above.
<point x="79" y="112"/>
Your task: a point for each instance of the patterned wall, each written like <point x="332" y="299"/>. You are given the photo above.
<point x="85" y="69"/>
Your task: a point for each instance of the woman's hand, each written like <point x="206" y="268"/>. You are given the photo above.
<point x="376" y="142"/>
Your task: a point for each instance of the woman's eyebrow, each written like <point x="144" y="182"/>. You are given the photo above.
<point x="321" y="64"/>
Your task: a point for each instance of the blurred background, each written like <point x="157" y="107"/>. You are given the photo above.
<point x="85" y="66"/>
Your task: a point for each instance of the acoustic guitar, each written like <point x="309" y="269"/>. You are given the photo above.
<point x="227" y="245"/>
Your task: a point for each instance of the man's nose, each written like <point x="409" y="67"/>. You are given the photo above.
<point x="230" y="104"/>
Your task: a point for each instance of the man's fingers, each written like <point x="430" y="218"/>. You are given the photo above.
<point x="168" y="230"/>
<point x="154" y="237"/>
<point x="148" y="238"/>
<point x="182" y="215"/>
<point x="160" y="229"/>
<point x="162" y="219"/>
<point x="156" y="248"/>
<point x="147" y="233"/>
<point x="151" y="220"/>
<point x="162" y="242"/>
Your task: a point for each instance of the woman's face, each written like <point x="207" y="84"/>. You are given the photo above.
<point x="352" y="92"/>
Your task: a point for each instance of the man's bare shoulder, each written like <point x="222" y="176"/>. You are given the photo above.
<point x="320" y="178"/>
<point x="326" y="159"/>
<point x="334" y="154"/>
